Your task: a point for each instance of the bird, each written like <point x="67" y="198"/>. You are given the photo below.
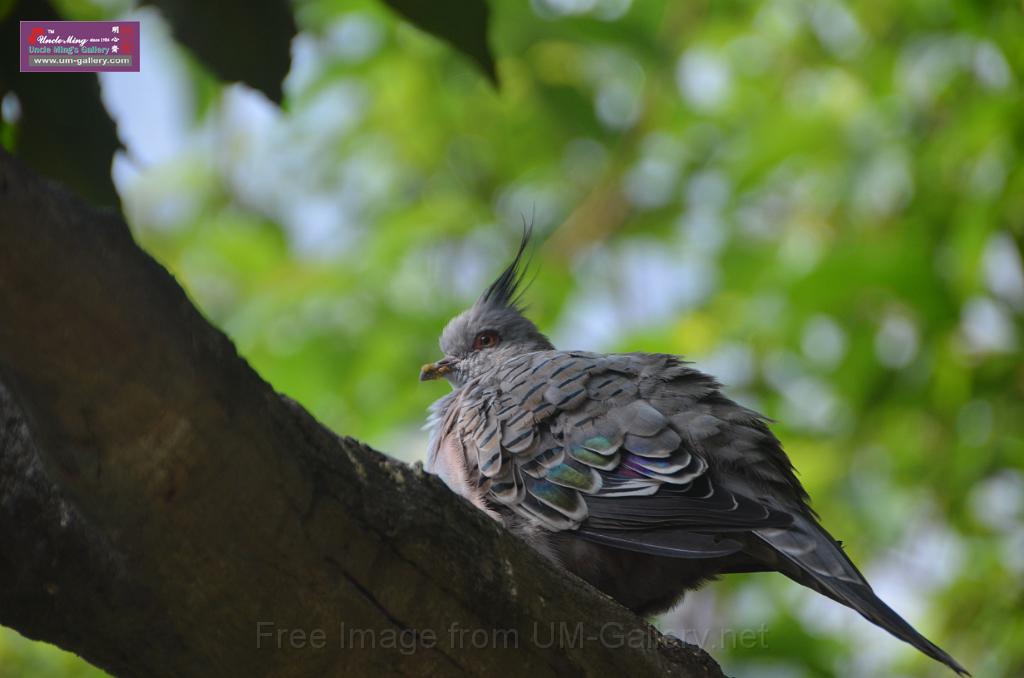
<point x="631" y="470"/>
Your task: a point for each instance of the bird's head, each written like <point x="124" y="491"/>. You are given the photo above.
<point x="490" y="331"/>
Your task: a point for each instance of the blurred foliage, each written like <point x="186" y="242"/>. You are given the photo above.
<point x="461" y="23"/>
<point x="821" y="202"/>
<point x="23" y="658"/>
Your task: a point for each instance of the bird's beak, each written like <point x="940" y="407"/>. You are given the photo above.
<point x="438" y="369"/>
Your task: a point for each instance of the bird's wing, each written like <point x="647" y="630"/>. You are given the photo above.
<point x="564" y="438"/>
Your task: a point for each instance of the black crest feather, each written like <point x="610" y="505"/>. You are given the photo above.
<point x="507" y="290"/>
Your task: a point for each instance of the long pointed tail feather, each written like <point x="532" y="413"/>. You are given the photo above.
<point x="808" y="555"/>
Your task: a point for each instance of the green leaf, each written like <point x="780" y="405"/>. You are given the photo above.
<point x="238" y="40"/>
<point x="462" y="24"/>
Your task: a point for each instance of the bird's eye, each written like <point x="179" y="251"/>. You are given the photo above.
<point x="486" y="339"/>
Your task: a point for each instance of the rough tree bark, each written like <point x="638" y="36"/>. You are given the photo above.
<point x="158" y="500"/>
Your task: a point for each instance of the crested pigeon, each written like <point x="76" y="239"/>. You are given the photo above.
<point x="631" y="470"/>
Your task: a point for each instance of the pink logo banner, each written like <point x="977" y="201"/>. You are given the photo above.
<point x="79" y="46"/>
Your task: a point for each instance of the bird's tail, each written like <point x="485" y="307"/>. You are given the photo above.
<point x="808" y="555"/>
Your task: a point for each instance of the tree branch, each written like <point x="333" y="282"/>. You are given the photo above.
<point x="161" y="506"/>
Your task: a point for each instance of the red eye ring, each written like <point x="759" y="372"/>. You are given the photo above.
<point x="486" y="339"/>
